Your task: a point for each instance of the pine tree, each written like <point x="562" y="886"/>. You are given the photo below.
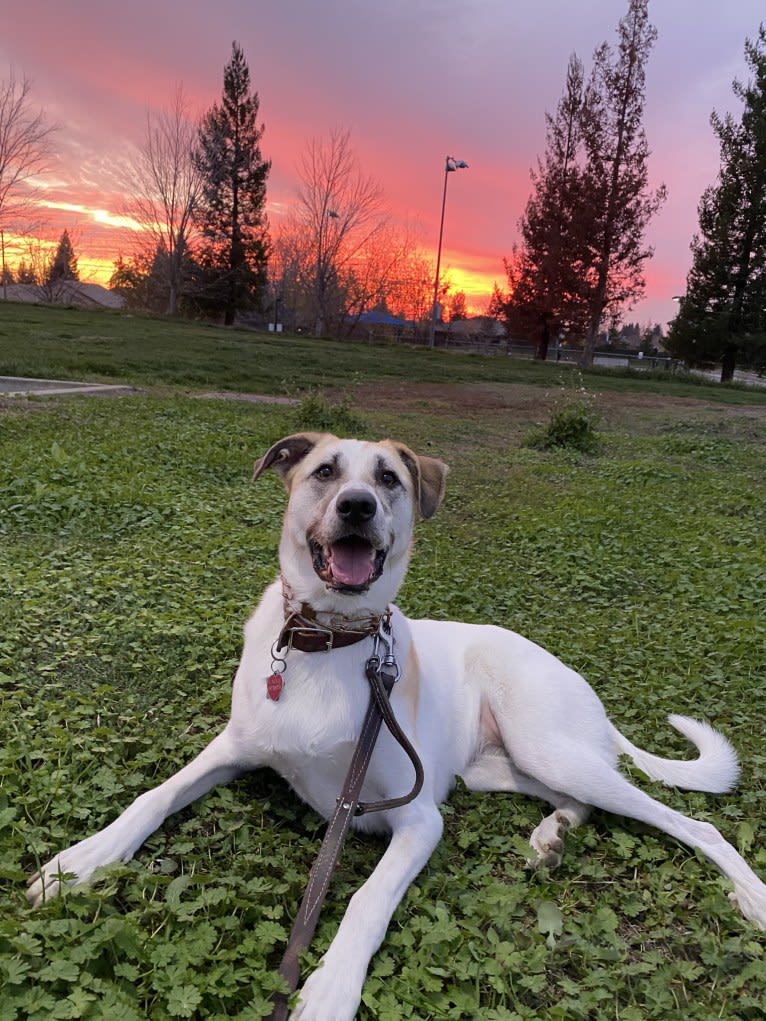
<point x="545" y="273"/>
<point x="582" y="250"/>
<point x="25" y="273"/>
<point x="617" y="170"/>
<point x="722" y="316"/>
<point x="231" y="214"/>
<point x="63" y="266"/>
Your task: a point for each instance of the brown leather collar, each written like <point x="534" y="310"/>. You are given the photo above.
<point x="303" y="631"/>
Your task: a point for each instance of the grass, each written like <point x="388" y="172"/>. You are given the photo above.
<point x="68" y="343"/>
<point x="133" y="547"/>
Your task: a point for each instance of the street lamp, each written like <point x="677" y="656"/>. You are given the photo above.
<point x="323" y="265"/>
<point x="450" y="165"/>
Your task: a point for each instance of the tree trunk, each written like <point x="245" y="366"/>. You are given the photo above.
<point x="728" y="363"/>
<point x="591" y="337"/>
<point x="543" y="341"/>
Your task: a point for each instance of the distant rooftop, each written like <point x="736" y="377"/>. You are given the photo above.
<point x="67" y="292"/>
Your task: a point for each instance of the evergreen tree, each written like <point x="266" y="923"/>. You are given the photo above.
<point x="616" y="158"/>
<point x="458" y="308"/>
<point x="582" y="251"/>
<point x="25" y="274"/>
<point x="722" y="316"/>
<point x="63" y="265"/>
<point x="231" y="214"/>
<point x="129" y="280"/>
<point x="545" y="274"/>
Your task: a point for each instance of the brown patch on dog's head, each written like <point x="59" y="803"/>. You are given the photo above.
<point x="287" y="453"/>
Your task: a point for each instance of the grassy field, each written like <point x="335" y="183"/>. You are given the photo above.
<point x="67" y="343"/>
<point x="133" y="547"/>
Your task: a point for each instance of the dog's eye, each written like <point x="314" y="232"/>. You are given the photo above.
<point x="324" y="471"/>
<point x="389" y="479"/>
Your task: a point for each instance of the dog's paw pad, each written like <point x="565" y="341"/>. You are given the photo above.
<point x="547" y="840"/>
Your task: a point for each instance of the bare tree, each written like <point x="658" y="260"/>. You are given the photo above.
<point x="164" y="191"/>
<point x="375" y="278"/>
<point x="410" y="295"/>
<point x="340" y="211"/>
<point x="25" y="150"/>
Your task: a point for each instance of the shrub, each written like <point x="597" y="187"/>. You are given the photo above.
<point x="573" y="424"/>
<point x="317" y="413"/>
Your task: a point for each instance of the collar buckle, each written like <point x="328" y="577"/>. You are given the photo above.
<point x="313" y="633"/>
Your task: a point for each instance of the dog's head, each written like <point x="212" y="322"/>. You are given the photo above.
<point x="348" y="526"/>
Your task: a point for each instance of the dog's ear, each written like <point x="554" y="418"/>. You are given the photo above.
<point x="430" y="477"/>
<point x="286" y="453"/>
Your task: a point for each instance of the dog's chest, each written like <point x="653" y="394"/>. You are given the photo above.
<point x="308" y="735"/>
<point x="312" y="736"/>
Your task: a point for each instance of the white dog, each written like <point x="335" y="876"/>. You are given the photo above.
<point x="476" y="701"/>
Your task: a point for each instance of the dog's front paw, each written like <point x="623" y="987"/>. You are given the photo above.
<point x="329" y="994"/>
<point x="75" y="865"/>
<point x="750" y="898"/>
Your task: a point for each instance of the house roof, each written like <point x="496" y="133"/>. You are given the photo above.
<point x="68" y="292"/>
<point x="382" y="319"/>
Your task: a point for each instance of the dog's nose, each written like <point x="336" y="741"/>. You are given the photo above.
<point x="356" y="507"/>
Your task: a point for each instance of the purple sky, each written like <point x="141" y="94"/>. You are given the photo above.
<point x="412" y="79"/>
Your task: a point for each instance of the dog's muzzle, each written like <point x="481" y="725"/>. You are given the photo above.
<point x="348" y="564"/>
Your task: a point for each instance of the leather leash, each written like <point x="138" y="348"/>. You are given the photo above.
<point x="381" y="674"/>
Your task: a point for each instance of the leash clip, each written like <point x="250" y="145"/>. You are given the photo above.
<point x="387" y="667"/>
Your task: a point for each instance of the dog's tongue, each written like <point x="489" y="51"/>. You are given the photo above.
<point x="352" y="561"/>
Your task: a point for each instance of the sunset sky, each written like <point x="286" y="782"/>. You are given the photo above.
<point x="413" y="80"/>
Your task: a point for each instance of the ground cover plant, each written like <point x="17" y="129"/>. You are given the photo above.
<point x="132" y="548"/>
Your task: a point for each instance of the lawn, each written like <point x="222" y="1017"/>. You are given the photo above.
<point x="68" y="343"/>
<point x="133" y="547"/>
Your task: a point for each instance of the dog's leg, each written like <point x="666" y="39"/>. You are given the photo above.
<point x="587" y="777"/>
<point x="120" y="840"/>
<point x="749" y="892"/>
<point x="494" y="771"/>
<point x="334" y="990"/>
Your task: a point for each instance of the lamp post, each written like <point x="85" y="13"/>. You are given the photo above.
<point x="322" y="268"/>
<point x="450" y="165"/>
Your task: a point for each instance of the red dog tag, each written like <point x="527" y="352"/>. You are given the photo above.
<point x="274" y="684"/>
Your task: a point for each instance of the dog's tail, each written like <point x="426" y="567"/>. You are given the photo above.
<point x="716" y="770"/>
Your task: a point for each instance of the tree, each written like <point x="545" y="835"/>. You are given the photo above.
<point x="25" y="150"/>
<point x="616" y="172"/>
<point x="457" y="308"/>
<point x="410" y="294"/>
<point x="63" y="265"/>
<point x="25" y="273"/>
<point x="722" y="316"/>
<point x="49" y="269"/>
<point x="128" y="279"/>
<point x="549" y="272"/>
<point x="334" y="228"/>
<point x="581" y="254"/>
<point x="164" y="185"/>
<point x="231" y="213"/>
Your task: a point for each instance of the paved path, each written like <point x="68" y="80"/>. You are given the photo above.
<point x="17" y="386"/>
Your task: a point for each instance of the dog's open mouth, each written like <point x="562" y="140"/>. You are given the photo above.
<point x="350" y="564"/>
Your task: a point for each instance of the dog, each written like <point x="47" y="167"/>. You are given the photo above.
<point x="476" y="701"/>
